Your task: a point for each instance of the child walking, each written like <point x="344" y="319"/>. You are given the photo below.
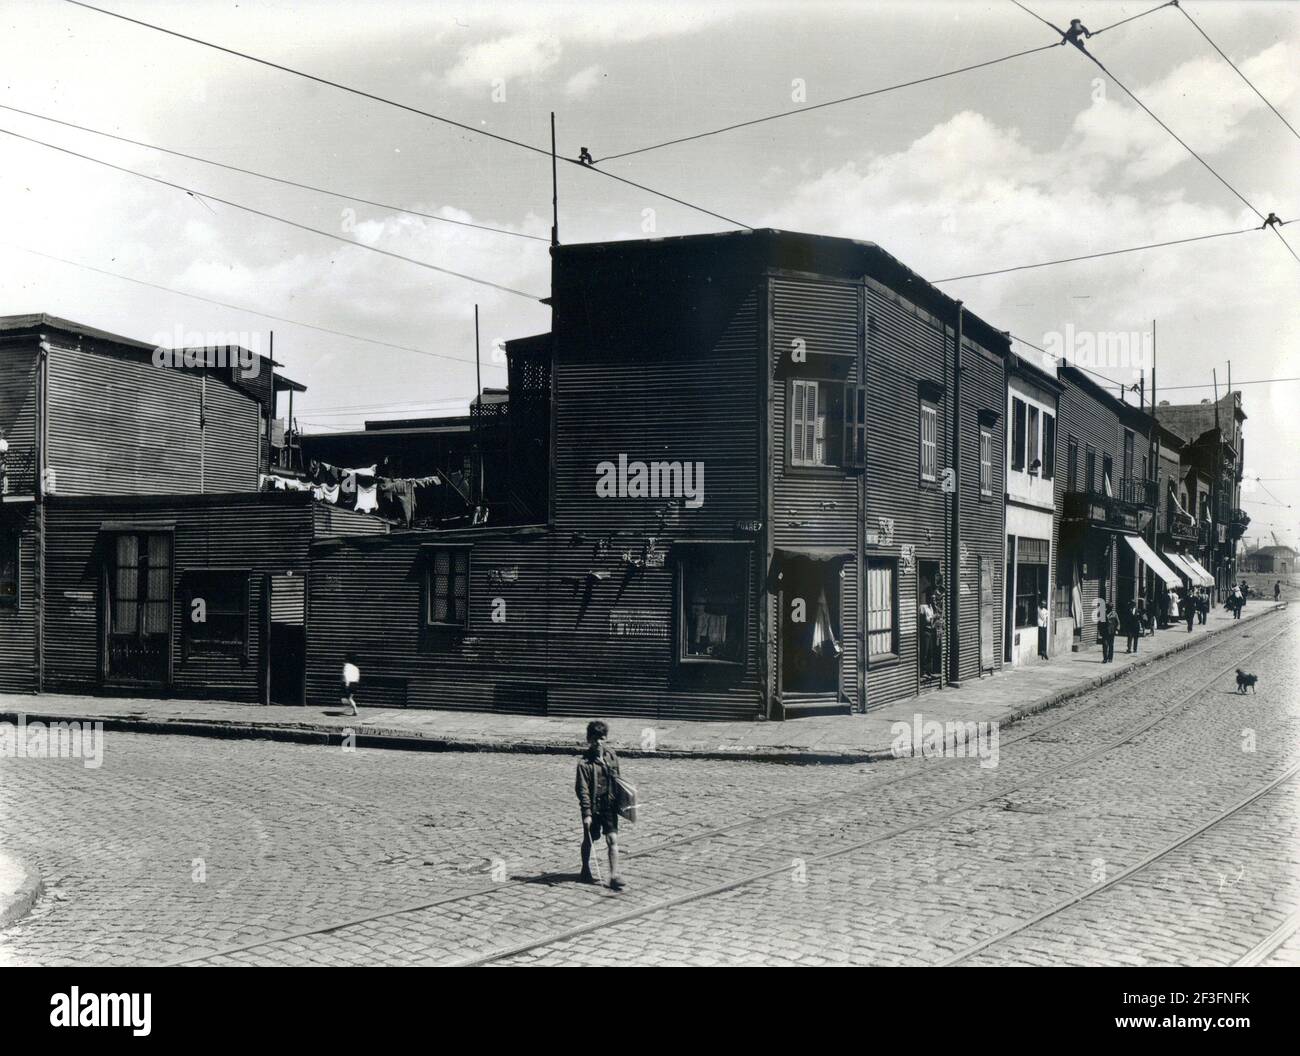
<point x="351" y="676"/>
<point x="598" y="800"/>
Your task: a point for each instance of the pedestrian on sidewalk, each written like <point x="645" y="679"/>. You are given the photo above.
<point x="1277" y="592"/>
<point x="1191" y="607"/>
<point x="1132" y="626"/>
<point x="1042" y="628"/>
<point x="1109" y="628"/>
<point x="1174" y="616"/>
<point x="1203" y="606"/>
<point x="351" y="676"/>
<point x="597" y="789"/>
<point x="1235" y="603"/>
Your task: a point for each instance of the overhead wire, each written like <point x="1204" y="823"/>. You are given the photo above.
<point x="236" y="307"/>
<point x="274" y="179"/>
<point x="274" y="216"/>
<point x="1237" y="69"/>
<point x="373" y="97"/>
<point x="819" y="106"/>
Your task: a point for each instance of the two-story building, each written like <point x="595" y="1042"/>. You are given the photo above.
<point x="772" y="487"/>
<point x="1032" y="524"/>
<point x="1106" y="492"/>
<point x="136" y="552"/>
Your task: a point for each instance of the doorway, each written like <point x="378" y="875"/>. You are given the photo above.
<point x="287" y="640"/>
<point x="811" y="632"/>
<point x="137" y="591"/>
<point x="929" y="623"/>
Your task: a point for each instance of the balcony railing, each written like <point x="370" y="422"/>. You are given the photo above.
<point x="1138" y="492"/>
<point x="1097" y="509"/>
<point x="1238" y="522"/>
<point x="18" y="472"/>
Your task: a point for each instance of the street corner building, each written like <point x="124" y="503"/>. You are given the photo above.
<point x="754" y="474"/>
<point x="745" y="475"/>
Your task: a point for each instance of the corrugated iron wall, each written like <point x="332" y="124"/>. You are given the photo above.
<point x="1091" y="422"/>
<point x="262" y="534"/>
<point x="118" y="425"/>
<point x="18" y="622"/>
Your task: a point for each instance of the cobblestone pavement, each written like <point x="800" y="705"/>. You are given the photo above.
<point x="206" y="851"/>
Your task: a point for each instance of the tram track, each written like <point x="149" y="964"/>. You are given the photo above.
<point x="565" y="935"/>
<point x="1265" y="947"/>
<point x="1073" y="716"/>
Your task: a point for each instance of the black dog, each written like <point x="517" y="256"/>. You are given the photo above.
<point x="1244" y="680"/>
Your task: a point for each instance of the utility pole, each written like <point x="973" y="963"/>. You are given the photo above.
<point x="1153" y="444"/>
<point x="478" y="370"/>
<point x="555" y="191"/>
<point x="954" y="557"/>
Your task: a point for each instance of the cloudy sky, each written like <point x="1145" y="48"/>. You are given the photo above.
<point x="1025" y="161"/>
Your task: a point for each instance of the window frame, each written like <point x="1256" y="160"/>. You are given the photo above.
<point x="1072" y="463"/>
<point x="683" y="553"/>
<point x="986" y="461"/>
<point x="830" y="426"/>
<point x="13" y="537"/>
<point x="894" y="653"/>
<point x="932" y="409"/>
<point x="1033" y="441"/>
<point x="429" y="555"/>
<point x="1048" y="456"/>
<point x="1019" y="433"/>
<point x="188" y="649"/>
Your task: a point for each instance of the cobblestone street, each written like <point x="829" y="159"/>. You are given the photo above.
<point x="1152" y="821"/>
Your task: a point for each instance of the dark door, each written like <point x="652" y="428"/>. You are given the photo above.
<point x="140" y="607"/>
<point x="810" y="626"/>
<point x="287" y="640"/>
<point x="929" y="621"/>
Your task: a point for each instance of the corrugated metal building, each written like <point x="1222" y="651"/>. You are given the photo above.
<point x="769" y="454"/>
<point x="1106" y="493"/>
<point x="129" y="493"/>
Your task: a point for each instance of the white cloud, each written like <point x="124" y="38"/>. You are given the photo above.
<point x="582" y="82"/>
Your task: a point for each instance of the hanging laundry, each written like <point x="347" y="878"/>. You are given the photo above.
<point x="367" y="495"/>
<point x="326" y="493"/>
<point x="823" y="638"/>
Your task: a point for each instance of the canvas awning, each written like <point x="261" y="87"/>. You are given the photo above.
<point x="813" y="553"/>
<point x="1183" y="569"/>
<point x="1202" y="573"/>
<point x="1139" y="546"/>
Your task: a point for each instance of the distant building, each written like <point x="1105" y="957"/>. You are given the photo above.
<point x="1274" y="560"/>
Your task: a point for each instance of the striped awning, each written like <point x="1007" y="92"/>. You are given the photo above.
<point x="1139" y="546"/>
<point x="1206" y="580"/>
<point x="1183" y="568"/>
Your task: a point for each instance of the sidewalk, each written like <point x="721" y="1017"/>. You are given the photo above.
<point x="1003" y="698"/>
<point x="20" y="887"/>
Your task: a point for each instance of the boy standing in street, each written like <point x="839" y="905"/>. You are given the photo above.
<point x="598" y="799"/>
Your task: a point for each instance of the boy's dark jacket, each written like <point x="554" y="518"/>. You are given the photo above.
<point x="594" y="784"/>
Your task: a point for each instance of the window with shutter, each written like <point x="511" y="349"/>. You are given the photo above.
<point x="855" y="426"/>
<point x="882" y="608"/>
<point x="929" y="441"/>
<point x="986" y="463"/>
<point x="447" y="587"/>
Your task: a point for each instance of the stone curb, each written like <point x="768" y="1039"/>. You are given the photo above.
<point x="17" y="900"/>
<point x="400" y="740"/>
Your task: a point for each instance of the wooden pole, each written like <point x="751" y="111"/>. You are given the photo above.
<point x="555" y="191"/>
